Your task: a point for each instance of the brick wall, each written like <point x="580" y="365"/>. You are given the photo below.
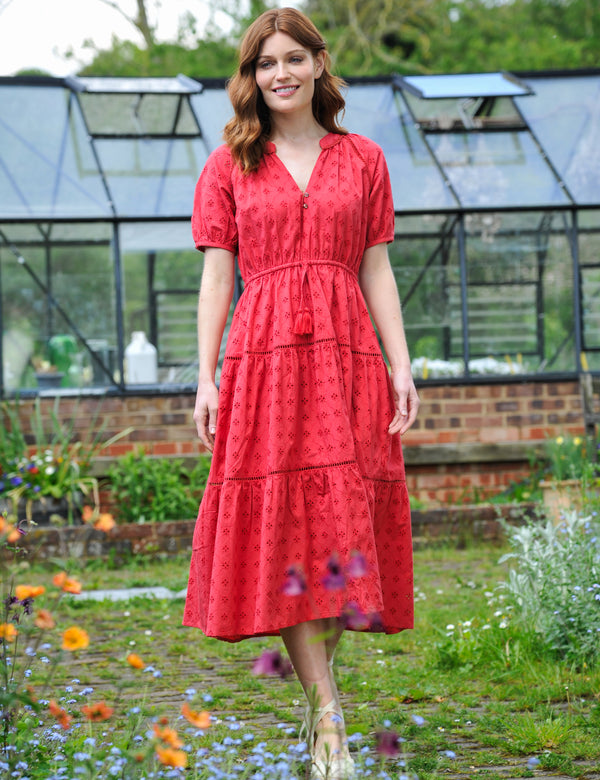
<point x="469" y="440"/>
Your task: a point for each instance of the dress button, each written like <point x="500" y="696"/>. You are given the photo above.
<point x="305" y="205"/>
<point x="306" y="194"/>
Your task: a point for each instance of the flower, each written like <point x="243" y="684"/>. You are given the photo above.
<point x="272" y="663"/>
<point x="44" y="620"/>
<point x="23" y="592"/>
<point x="354" y="618"/>
<point x="167" y="735"/>
<point x="201" y="720"/>
<point x="387" y="743"/>
<point x="169" y="757"/>
<point x="97" y="712"/>
<point x="357" y="566"/>
<point x="75" y="638"/>
<point x="105" y="522"/>
<point x="134" y="660"/>
<point x="61" y="715"/>
<point x="295" y="583"/>
<point x="569" y="457"/>
<point x="334" y="579"/>
<point x="67" y="584"/>
<point x="8" y="632"/>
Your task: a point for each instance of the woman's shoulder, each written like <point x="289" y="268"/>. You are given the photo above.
<point x="363" y="147"/>
<point x="220" y="157"/>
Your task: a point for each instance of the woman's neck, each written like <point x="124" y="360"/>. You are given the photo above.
<point x="295" y="129"/>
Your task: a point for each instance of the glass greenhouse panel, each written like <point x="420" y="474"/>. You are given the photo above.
<point x="417" y="184"/>
<point x="47" y="168"/>
<point x="564" y="114"/>
<point x="497" y="169"/>
<point x="165" y="171"/>
<point x="213" y="110"/>
<point x="54" y="288"/>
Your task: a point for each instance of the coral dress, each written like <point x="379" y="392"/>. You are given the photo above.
<point x="305" y="513"/>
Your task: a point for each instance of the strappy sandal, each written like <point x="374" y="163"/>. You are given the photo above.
<point x="337" y="766"/>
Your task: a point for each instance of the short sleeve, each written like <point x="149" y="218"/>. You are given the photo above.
<point x="213" y="218"/>
<point x="380" y="215"/>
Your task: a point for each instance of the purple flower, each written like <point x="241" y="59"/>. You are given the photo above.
<point x="295" y="584"/>
<point x="387" y="743"/>
<point x="335" y="579"/>
<point x="354" y="618"/>
<point x="376" y="623"/>
<point x="357" y="566"/>
<point x="533" y="762"/>
<point x="15" y="481"/>
<point x="272" y="663"/>
<point x="418" y="720"/>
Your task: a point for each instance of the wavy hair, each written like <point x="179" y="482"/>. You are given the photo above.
<point x="248" y="131"/>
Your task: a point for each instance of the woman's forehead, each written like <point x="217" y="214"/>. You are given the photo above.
<point x="280" y="43"/>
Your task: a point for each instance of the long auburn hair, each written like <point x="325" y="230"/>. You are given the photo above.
<point x="248" y="131"/>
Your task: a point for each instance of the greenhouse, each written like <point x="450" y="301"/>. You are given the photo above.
<point x="496" y="183"/>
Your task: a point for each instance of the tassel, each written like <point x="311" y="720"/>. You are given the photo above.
<point x="303" y="325"/>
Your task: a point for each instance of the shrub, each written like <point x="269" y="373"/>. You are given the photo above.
<point x="555" y="584"/>
<point x="149" y="489"/>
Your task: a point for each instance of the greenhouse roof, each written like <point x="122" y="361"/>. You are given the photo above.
<point x="132" y="149"/>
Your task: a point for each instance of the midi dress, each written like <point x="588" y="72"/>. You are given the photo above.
<point x="305" y="514"/>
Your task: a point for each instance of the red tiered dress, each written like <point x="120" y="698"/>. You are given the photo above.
<point x="304" y="474"/>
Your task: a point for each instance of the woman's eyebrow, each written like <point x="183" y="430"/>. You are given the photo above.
<point x="287" y="54"/>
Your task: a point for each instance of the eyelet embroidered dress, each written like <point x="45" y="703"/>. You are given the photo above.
<point x="304" y="474"/>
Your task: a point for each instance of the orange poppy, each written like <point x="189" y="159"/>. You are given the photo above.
<point x="75" y="639"/>
<point x="44" y="620"/>
<point x="66" y="583"/>
<point x="23" y="592"/>
<point x="168" y="735"/>
<point x="8" y="632"/>
<point x="134" y="660"/>
<point x="201" y="720"/>
<point x="62" y="716"/>
<point x="105" y="522"/>
<point x="97" y="712"/>
<point x="87" y="513"/>
<point x="170" y="757"/>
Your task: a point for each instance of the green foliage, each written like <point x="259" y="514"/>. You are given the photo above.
<point x="60" y="464"/>
<point x="555" y="585"/>
<point x="570" y="457"/>
<point x="149" y="489"/>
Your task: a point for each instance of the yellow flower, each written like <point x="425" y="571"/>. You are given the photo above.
<point x="577" y="441"/>
<point x="75" y="639"/>
<point x="559" y="440"/>
<point x="169" y="757"/>
<point x="23" y="592"/>
<point x="8" y="632"/>
<point x="134" y="660"/>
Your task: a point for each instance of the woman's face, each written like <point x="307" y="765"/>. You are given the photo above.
<point x="286" y="72"/>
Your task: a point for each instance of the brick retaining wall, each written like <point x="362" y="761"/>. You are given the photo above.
<point x="469" y="439"/>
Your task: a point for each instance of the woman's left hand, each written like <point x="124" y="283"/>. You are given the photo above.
<point x="407" y="402"/>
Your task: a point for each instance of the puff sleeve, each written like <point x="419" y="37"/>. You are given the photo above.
<point x="213" y="217"/>
<point x="380" y="216"/>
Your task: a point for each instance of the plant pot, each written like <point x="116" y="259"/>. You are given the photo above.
<point x="560" y="496"/>
<point x="45" y="511"/>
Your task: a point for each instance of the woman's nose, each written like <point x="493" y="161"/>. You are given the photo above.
<point x="282" y="72"/>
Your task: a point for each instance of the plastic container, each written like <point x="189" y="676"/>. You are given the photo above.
<point x="141" y="365"/>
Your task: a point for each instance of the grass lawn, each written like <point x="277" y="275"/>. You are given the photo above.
<point x="470" y="693"/>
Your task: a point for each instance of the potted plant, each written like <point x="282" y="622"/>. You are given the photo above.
<point x="52" y="479"/>
<point x="571" y="476"/>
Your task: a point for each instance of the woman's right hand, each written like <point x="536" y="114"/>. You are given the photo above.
<point x="205" y="413"/>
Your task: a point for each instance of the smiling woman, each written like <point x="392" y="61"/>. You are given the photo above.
<point x="304" y="527"/>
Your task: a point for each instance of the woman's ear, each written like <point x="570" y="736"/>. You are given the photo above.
<point x="319" y="64"/>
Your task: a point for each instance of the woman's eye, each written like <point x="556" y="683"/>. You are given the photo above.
<point x="265" y="64"/>
<point x="296" y="59"/>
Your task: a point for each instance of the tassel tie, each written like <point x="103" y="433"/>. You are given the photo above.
<point x="303" y="324"/>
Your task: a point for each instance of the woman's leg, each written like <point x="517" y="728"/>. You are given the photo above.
<point x="311" y="646"/>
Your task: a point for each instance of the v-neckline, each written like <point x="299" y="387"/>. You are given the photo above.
<point x="325" y="142"/>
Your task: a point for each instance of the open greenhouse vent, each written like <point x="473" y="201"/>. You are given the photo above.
<point x="137" y="108"/>
<point x="476" y="101"/>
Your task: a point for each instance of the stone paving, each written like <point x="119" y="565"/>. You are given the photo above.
<point x="215" y="675"/>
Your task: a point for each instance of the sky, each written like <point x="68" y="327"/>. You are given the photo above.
<point x="38" y="33"/>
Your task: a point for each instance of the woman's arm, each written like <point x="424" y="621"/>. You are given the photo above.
<point x="378" y="285"/>
<point x="216" y="292"/>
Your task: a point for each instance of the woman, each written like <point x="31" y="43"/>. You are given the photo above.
<point x="304" y="528"/>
